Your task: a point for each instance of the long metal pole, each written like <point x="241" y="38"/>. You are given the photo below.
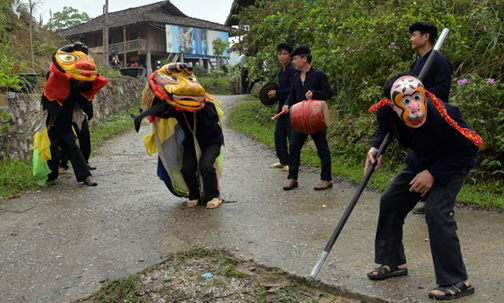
<point x="367" y="176"/>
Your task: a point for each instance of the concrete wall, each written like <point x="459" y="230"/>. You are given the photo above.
<point x="25" y="109"/>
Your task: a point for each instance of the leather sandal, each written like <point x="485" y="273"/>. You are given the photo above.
<point x="383" y="272"/>
<point x="454" y="291"/>
<point x="214" y="203"/>
<point x="192" y="203"/>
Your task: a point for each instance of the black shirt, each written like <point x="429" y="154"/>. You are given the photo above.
<point x="437" y="80"/>
<point x="316" y="81"/>
<point x="208" y="129"/>
<point x="285" y="79"/>
<point x="437" y="146"/>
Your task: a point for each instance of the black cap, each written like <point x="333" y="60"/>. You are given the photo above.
<point x="424" y="27"/>
<point x="301" y="50"/>
<point x="285" y="46"/>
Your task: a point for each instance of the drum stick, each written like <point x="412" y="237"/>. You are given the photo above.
<point x="367" y="176"/>
<point x="279" y="114"/>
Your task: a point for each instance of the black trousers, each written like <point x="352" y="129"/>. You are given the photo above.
<point x="84" y="138"/>
<point x="297" y="141"/>
<point x="398" y="201"/>
<point x="207" y="169"/>
<point x="244" y="82"/>
<point x="68" y="147"/>
<point x="282" y="134"/>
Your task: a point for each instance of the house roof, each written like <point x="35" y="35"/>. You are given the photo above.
<point x="236" y="7"/>
<point x="160" y="12"/>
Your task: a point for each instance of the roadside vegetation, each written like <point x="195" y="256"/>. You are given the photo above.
<point x="360" y="44"/>
<point x="254" y="119"/>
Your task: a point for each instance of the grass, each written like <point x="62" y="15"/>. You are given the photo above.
<point x="179" y="279"/>
<point x="16" y="175"/>
<point x="252" y="118"/>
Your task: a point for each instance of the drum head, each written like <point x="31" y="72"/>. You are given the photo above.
<point x="325" y="114"/>
<point x="263" y="94"/>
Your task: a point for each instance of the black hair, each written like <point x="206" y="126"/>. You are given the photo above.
<point x="308" y="57"/>
<point x="388" y="84"/>
<point x="425" y="28"/>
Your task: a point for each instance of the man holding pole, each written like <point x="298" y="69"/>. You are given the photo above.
<point x="438" y="77"/>
<point x="443" y="151"/>
<point x="283" y="124"/>
<point x="308" y="83"/>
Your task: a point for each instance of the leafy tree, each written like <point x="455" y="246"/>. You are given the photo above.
<point x="68" y="17"/>
<point x="219" y="46"/>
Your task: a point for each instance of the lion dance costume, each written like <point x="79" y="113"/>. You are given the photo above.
<point x="187" y="133"/>
<point x="71" y="85"/>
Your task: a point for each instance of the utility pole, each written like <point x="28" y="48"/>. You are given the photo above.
<point x="105" y="38"/>
<point x="31" y="35"/>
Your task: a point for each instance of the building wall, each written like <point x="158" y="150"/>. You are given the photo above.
<point x="24" y="111"/>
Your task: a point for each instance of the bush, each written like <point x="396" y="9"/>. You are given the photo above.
<point x="360" y="44"/>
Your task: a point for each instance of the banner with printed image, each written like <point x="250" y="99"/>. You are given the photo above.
<point x="193" y="41"/>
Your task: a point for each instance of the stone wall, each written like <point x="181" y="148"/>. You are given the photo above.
<point x="25" y="109"/>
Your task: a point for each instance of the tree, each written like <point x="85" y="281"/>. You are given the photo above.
<point x="219" y="46"/>
<point x="68" y="17"/>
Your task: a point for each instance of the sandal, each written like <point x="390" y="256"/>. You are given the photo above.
<point x="214" y="203"/>
<point x="454" y="291"/>
<point x="383" y="272"/>
<point x="277" y="165"/>
<point x="192" y="203"/>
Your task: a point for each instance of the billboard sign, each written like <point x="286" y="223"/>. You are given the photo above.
<point x="193" y="41"/>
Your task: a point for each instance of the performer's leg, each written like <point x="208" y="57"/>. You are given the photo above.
<point x="207" y="169"/>
<point x="85" y="140"/>
<point x="395" y="204"/>
<point x="445" y="247"/>
<point x="324" y="154"/>
<point x="282" y="130"/>
<point x="53" y="164"/>
<point x="297" y="141"/>
<point x="189" y="167"/>
<point x="76" y="158"/>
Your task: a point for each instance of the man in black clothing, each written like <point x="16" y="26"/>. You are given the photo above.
<point x="438" y="77"/>
<point x="309" y="83"/>
<point x="283" y="124"/>
<point x="443" y="150"/>
<point x="437" y="80"/>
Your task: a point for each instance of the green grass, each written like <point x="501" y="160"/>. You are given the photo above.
<point x="16" y="175"/>
<point x="252" y="118"/>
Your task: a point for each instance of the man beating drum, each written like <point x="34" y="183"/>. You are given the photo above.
<point x="308" y="83"/>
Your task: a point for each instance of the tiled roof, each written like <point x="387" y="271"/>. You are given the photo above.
<point x="160" y="12"/>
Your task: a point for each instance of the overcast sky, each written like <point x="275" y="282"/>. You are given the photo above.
<point x="211" y="10"/>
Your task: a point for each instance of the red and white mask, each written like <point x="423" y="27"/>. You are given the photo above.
<point x="410" y="104"/>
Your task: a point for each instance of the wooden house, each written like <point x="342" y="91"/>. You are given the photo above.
<point x="147" y="34"/>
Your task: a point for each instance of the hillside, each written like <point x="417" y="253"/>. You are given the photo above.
<point x="15" y="49"/>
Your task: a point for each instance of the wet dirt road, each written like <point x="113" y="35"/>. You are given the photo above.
<point x="58" y="244"/>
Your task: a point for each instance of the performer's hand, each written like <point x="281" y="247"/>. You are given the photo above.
<point x="272" y="94"/>
<point x="285" y="108"/>
<point x="309" y="95"/>
<point x="422" y="182"/>
<point x="370" y="159"/>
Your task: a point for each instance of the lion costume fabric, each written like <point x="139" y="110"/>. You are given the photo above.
<point x="69" y="62"/>
<point x="176" y="85"/>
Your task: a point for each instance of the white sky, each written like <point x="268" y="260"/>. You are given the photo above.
<point x="211" y="10"/>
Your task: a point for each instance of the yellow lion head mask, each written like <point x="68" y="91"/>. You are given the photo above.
<point x="176" y="84"/>
<point x="73" y="60"/>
